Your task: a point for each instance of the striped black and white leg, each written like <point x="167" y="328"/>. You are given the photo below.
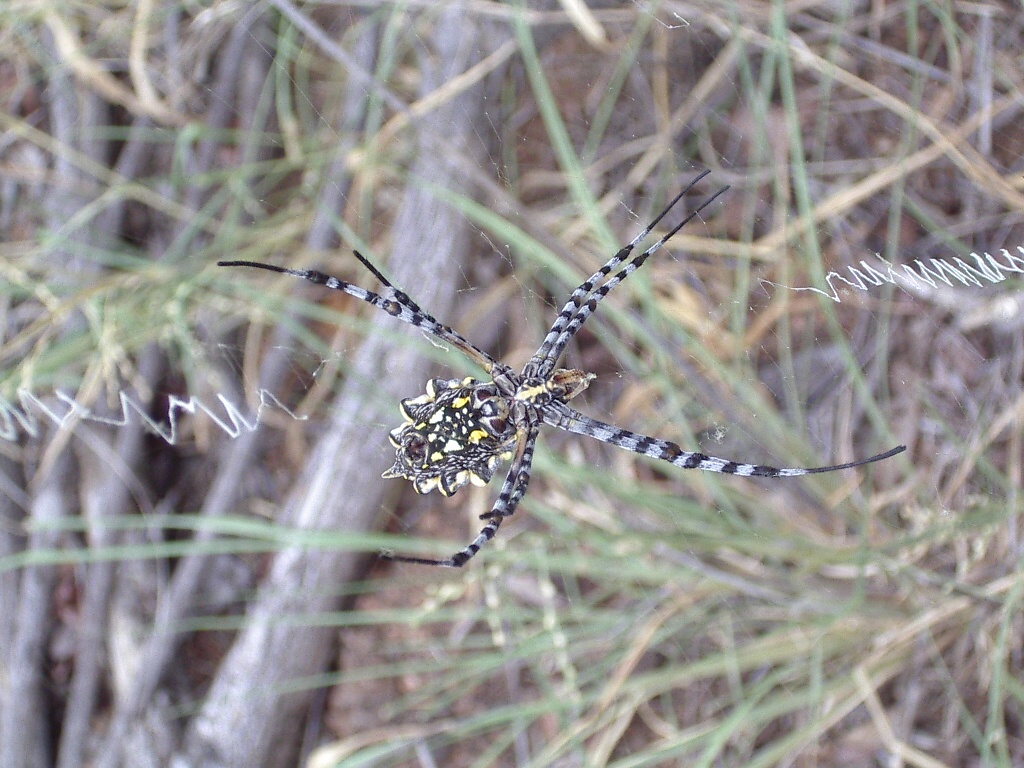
<point x="396" y="303"/>
<point x="587" y="308"/>
<point x="588" y="295"/>
<point x="505" y="508"/>
<point x="580" y="294"/>
<point x="572" y="421"/>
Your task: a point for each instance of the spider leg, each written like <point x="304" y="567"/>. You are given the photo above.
<point x="587" y="308"/>
<point x="396" y="303"/>
<point x="512" y="491"/>
<point x="505" y="507"/>
<point x="584" y="300"/>
<point x="570" y="420"/>
<point x="459" y="558"/>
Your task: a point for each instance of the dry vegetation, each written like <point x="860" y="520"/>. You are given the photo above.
<point x="218" y="600"/>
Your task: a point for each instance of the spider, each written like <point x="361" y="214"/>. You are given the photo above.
<point x="461" y="430"/>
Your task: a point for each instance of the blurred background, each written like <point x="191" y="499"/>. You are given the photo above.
<point x="190" y="456"/>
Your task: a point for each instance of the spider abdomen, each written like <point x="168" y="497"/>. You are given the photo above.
<point x="458" y="432"/>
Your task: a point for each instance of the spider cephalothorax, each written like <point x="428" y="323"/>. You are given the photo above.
<point x="560" y="387"/>
<point x="461" y="430"/>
